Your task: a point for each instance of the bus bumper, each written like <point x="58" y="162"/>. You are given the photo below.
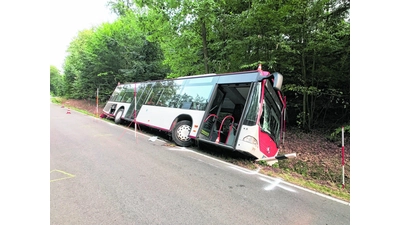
<point x="106" y="115"/>
<point x="272" y="160"/>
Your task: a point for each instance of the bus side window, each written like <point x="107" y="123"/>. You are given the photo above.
<point x="186" y="105"/>
<point x="171" y="104"/>
<point x="150" y="102"/>
<point x="195" y="106"/>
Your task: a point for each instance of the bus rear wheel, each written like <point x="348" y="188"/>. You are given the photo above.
<point x="180" y="133"/>
<point x="118" y="115"/>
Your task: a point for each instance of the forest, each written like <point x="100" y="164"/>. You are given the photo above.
<point x="308" y="41"/>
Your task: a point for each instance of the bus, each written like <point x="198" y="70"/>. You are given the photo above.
<point x="241" y="111"/>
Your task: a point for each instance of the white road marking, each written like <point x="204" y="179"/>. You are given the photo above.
<point x="275" y="183"/>
<point x="180" y="149"/>
<point x="153" y="138"/>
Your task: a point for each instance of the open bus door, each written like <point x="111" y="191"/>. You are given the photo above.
<point x="209" y="129"/>
<point x="221" y="120"/>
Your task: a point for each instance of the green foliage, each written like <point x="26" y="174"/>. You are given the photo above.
<point x="57" y="100"/>
<point x="334" y="136"/>
<point x="265" y="163"/>
<point x="121" y="7"/>
<point x="275" y="165"/>
<point x="307" y="41"/>
<point x="284" y="164"/>
<point x="317" y="171"/>
<point x="101" y="57"/>
<point x="301" y="167"/>
<point x="56" y="82"/>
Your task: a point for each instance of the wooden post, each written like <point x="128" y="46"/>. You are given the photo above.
<point x="97" y="103"/>
<point x="342" y="157"/>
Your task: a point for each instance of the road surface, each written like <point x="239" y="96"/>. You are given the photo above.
<point x="102" y="173"/>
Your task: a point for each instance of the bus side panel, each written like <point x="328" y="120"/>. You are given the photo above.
<point x="109" y="112"/>
<point x="163" y="117"/>
<point x="107" y="108"/>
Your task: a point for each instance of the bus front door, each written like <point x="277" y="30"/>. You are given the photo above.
<point x="210" y="126"/>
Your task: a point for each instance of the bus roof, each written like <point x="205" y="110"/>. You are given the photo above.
<point x="202" y="75"/>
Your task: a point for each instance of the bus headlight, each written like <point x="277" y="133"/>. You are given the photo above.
<point x="250" y="139"/>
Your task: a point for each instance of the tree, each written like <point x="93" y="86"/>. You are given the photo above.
<point x="56" y="81"/>
<point x="182" y="29"/>
<point x="308" y="41"/>
<point x="319" y="51"/>
<point x="108" y="54"/>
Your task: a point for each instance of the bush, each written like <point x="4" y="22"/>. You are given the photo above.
<point x="57" y="100"/>
<point x="336" y="135"/>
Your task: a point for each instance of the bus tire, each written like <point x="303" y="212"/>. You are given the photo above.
<point x="118" y="115"/>
<point x="180" y="133"/>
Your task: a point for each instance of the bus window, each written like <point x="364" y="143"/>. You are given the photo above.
<point x="168" y="91"/>
<point x="156" y="93"/>
<point x="116" y="93"/>
<point x="120" y="95"/>
<point x="128" y="96"/>
<point x="142" y="93"/>
<point x="195" y="97"/>
<point x="251" y="115"/>
<point x="173" y="94"/>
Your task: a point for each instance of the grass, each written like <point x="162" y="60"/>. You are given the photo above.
<point x="311" y="176"/>
<point x="337" y="192"/>
<point x="59" y="100"/>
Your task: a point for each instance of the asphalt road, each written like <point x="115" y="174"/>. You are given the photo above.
<point x="102" y="173"/>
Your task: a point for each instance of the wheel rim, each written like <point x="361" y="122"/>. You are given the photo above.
<point x="183" y="133"/>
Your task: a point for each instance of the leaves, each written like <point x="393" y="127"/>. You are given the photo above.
<point x="306" y="41"/>
<point x="56" y="81"/>
<point x="108" y="54"/>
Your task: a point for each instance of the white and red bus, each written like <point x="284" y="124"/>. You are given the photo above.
<point x="242" y="111"/>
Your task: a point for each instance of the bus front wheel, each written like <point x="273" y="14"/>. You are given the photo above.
<point x="118" y="115"/>
<point x="180" y="133"/>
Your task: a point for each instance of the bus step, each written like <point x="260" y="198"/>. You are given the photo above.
<point x="272" y="160"/>
<point x="286" y="156"/>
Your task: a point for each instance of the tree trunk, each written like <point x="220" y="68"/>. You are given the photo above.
<point x="204" y="38"/>
<point x="305" y="95"/>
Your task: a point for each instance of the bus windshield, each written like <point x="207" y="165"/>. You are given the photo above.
<point x="271" y="112"/>
<point x="122" y="94"/>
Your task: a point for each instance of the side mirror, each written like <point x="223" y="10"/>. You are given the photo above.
<point x="278" y="79"/>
